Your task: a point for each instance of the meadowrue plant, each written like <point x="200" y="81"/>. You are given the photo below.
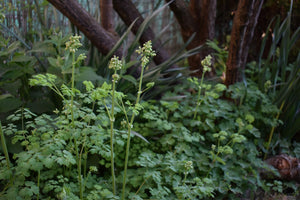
<point x="226" y="149"/>
<point x="100" y="95"/>
<point x="115" y="64"/>
<point x="188" y="166"/>
<point x="67" y="95"/>
<point x="146" y="53"/>
<point x="74" y="124"/>
<point x="206" y="63"/>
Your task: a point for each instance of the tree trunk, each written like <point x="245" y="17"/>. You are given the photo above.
<point x="288" y="167"/>
<point x="128" y="12"/>
<point x="250" y="32"/>
<point x="198" y="17"/>
<point x="107" y="16"/>
<point x="101" y="38"/>
<point x="244" y="23"/>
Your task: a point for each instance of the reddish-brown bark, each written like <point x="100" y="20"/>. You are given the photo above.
<point x="101" y="38"/>
<point x="244" y="23"/>
<point x="196" y="18"/>
<point x="107" y="15"/>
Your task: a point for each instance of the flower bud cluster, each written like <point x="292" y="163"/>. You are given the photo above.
<point x="115" y="63"/>
<point x="267" y="85"/>
<point x="116" y="77"/>
<point x="206" y="63"/>
<point x="146" y="52"/>
<point x="221" y="135"/>
<point x="188" y="165"/>
<point x="73" y="44"/>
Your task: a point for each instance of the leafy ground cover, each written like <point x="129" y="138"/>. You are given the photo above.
<point x="199" y="141"/>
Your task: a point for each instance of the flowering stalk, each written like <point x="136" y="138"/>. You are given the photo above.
<point x="4" y="148"/>
<point x="72" y="45"/>
<point x="188" y="166"/>
<point x="146" y="52"/>
<point x="206" y="62"/>
<point x="114" y="64"/>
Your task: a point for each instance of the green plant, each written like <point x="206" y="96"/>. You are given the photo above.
<point x="4" y="148"/>
<point x="56" y="145"/>
<point x="71" y="124"/>
<point x="206" y="68"/>
<point x="146" y="52"/>
<point x="191" y="144"/>
<point x="276" y="186"/>
<point x="221" y="55"/>
<point x="16" y="68"/>
<point x="281" y="71"/>
<point x="116" y="65"/>
<point x="5" y="151"/>
<point x="49" y="80"/>
<point x="222" y="141"/>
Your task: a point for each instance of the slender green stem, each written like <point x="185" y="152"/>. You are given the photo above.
<point x="22" y="118"/>
<point x="122" y="106"/>
<point x="214" y="158"/>
<point x="73" y="126"/>
<point x="129" y="132"/>
<point x="56" y="90"/>
<point x="126" y="160"/>
<point x="38" y="184"/>
<point x="72" y="88"/>
<point x="85" y="162"/>
<point x="272" y="131"/>
<point x="198" y="96"/>
<point x="87" y="177"/>
<point x="86" y="152"/>
<point x="185" y="176"/>
<point x="78" y="169"/>
<point x="79" y="174"/>
<point x="3" y="143"/>
<point x="142" y="185"/>
<point x="112" y="119"/>
<point x="5" y="151"/>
